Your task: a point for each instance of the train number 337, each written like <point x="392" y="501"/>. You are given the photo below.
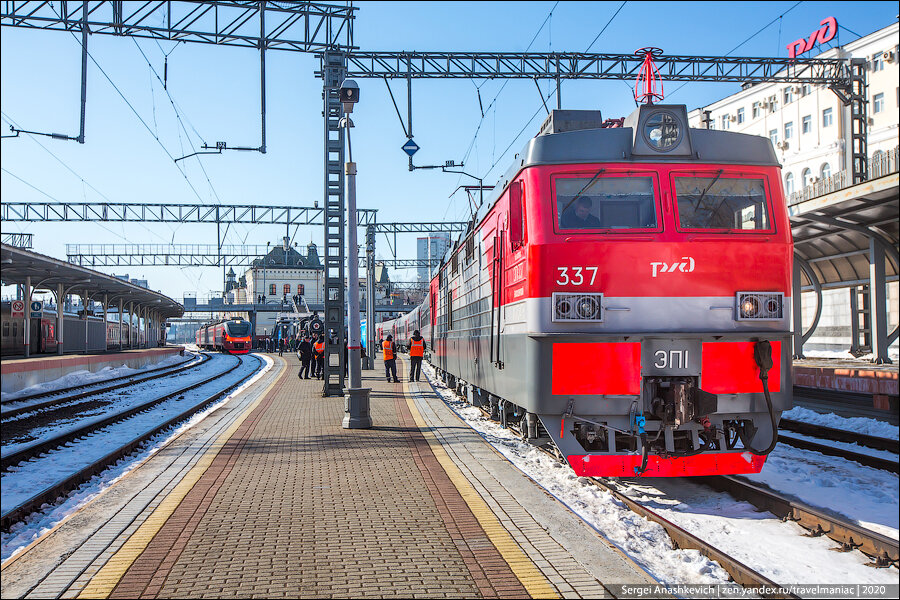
<point x="578" y="275"/>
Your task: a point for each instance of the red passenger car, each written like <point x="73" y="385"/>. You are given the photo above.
<point x="232" y="336"/>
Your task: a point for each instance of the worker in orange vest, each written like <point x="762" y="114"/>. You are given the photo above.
<point x="319" y="354"/>
<point x="389" y="349"/>
<point x="416" y="353"/>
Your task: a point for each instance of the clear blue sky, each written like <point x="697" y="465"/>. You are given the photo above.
<point x="216" y="90"/>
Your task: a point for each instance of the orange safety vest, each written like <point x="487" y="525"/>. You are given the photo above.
<point x="417" y="347"/>
<point x="320" y="346"/>
<point x="388" y="349"/>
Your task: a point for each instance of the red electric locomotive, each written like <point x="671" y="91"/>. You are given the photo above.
<point x="232" y="336"/>
<point x="627" y="296"/>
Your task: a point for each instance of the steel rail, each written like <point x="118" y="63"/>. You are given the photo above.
<point x="840" y="435"/>
<point x="50" y="494"/>
<point x="137" y="378"/>
<point x="876" y="462"/>
<point x="34" y="450"/>
<point x="850" y="535"/>
<point x="683" y="539"/>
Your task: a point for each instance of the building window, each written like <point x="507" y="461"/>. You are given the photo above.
<point x="773" y="135"/>
<point x="877" y="62"/>
<point x="788" y="130"/>
<point x="827" y="117"/>
<point x="807" y="177"/>
<point x="825" y="171"/>
<point x="300" y="288"/>
<point x="773" y="103"/>
<point x="789" y="184"/>
<point x="878" y="103"/>
<point x="788" y="95"/>
<point x="273" y="289"/>
<point x="805" y="90"/>
<point x="726" y="122"/>
<point x="807" y="124"/>
<point x="740" y="115"/>
<point x="287" y="289"/>
<point x="756" y="110"/>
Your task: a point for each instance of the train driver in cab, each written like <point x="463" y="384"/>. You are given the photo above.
<point x="579" y="216"/>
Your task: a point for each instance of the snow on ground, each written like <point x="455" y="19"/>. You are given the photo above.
<point x="760" y="540"/>
<point x="84" y="377"/>
<point x="857" y="424"/>
<point x="855" y="448"/>
<point x="23" y="534"/>
<point x="863" y="494"/>
<point x="118" y="401"/>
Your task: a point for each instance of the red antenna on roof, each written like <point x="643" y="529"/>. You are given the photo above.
<point x="649" y="76"/>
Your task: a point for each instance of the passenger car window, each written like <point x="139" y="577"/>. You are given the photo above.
<point x="605" y="203"/>
<point x="726" y="203"/>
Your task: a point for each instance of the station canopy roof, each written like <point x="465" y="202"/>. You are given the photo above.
<point x="47" y="273"/>
<point x="832" y="232"/>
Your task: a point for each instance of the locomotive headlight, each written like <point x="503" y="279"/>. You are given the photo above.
<point x="587" y="308"/>
<point x="577" y="307"/>
<point x="749" y="307"/>
<point x="756" y="306"/>
<point x="662" y="131"/>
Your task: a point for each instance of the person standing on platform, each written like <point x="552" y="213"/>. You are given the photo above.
<point x="281" y="346"/>
<point x="389" y="351"/>
<point x="319" y="354"/>
<point x="305" y="354"/>
<point x="416" y="353"/>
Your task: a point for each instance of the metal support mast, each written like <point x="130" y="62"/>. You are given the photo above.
<point x="334" y="69"/>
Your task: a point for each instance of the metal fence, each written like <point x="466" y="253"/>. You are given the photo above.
<point x="880" y="164"/>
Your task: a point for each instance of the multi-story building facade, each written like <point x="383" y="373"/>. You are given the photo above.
<point x="810" y="129"/>
<point x="430" y="248"/>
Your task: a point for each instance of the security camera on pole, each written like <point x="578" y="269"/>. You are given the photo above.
<point x="357" y="414"/>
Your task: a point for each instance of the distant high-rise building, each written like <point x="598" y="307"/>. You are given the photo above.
<point x="432" y="247"/>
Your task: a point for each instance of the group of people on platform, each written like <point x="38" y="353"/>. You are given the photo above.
<point x="416" y="354"/>
<point x="310" y="350"/>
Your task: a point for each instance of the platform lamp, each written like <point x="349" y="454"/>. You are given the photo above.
<point x="357" y="412"/>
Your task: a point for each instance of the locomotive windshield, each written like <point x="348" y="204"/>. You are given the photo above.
<point x="716" y="202"/>
<point x="605" y="203"/>
<point x="238" y="328"/>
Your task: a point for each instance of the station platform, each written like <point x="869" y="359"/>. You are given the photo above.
<point x="851" y="376"/>
<point x="270" y="497"/>
<point x="19" y="372"/>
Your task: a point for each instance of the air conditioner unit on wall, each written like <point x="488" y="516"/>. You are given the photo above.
<point x="732" y="118"/>
<point x="888" y="56"/>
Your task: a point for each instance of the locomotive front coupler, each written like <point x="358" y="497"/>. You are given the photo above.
<point x="678" y="400"/>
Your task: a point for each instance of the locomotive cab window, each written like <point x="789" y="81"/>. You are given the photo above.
<point x="722" y="203"/>
<point x="239" y="328"/>
<point x="590" y="203"/>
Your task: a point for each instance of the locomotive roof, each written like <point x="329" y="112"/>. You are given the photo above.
<point x="576" y="136"/>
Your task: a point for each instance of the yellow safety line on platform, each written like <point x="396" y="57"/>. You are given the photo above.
<point x="102" y="584"/>
<point x="534" y="581"/>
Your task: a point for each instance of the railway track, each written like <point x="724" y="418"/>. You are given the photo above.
<point x="71" y="394"/>
<point x="882" y="550"/>
<point x="843" y="436"/>
<point x="876" y="462"/>
<point x="71" y="481"/>
<point x="739" y="572"/>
